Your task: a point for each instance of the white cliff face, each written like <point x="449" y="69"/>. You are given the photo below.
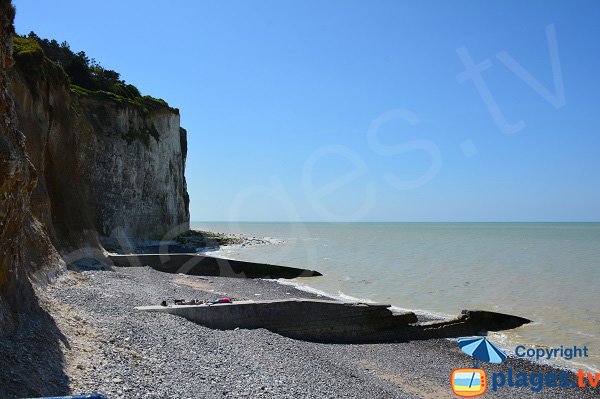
<point x="107" y="170"/>
<point x="133" y="172"/>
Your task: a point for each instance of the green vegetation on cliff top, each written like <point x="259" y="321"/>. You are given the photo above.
<point x="30" y="59"/>
<point x="37" y="56"/>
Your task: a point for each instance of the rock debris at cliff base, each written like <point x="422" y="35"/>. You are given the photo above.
<point x="191" y="241"/>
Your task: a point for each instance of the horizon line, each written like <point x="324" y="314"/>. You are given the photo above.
<point x="394" y="221"/>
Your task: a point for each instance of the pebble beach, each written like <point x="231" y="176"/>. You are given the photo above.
<point x="110" y="347"/>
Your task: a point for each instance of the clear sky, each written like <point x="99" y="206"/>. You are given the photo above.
<point x="363" y="110"/>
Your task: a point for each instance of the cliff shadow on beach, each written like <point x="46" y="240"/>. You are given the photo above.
<point x="33" y="362"/>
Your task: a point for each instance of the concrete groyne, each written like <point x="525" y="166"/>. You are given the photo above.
<point x="202" y="265"/>
<point x="329" y="321"/>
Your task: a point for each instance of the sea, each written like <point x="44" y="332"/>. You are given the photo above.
<point x="546" y="272"/>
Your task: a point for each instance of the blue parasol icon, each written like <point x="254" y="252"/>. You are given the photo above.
<point x="481" y="349"/>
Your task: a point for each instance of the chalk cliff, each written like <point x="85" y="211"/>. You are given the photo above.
<point x="108" y="167"/>
<point x="79" y="168"/>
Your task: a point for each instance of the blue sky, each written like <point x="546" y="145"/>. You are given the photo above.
<point x="352" y="110"/>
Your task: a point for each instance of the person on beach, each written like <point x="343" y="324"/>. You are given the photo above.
<point x="184" y="302"/>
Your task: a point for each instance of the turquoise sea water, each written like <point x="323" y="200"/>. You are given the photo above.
<point x="547" y="272"/>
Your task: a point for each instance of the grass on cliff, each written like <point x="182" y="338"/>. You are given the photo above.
<point x="30" y="58"/>
<point x="39" y="58"/>
<point x="143" y="103"/>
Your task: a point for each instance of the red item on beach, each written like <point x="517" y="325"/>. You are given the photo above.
<point x="220" y="300"/>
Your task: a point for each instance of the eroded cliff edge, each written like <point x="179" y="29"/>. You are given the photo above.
<point x="109" y="168"/>
<point x="80" y="169"/>
<point x="16" y="183"/>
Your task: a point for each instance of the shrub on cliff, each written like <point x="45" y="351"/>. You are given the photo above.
<point x="84" y="71"/>
<point x="30" y="58"/>
<point x="87" y="76"/>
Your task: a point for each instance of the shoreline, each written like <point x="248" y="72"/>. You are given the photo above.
<point x="425" y="315"/>
<point x="507" y="340"/>
<point x="125" y="353"/>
